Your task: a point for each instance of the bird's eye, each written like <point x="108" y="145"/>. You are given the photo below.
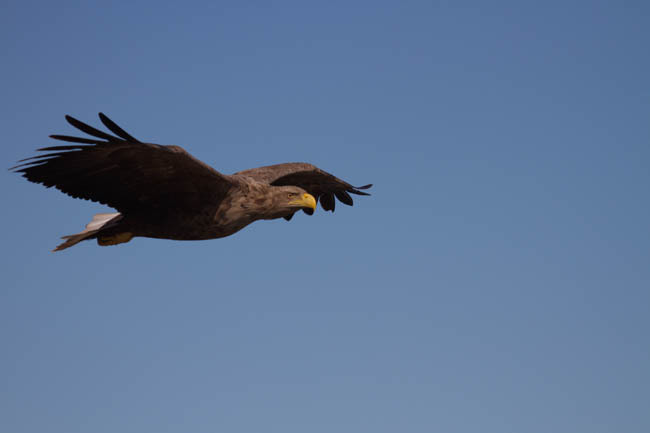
<point x="291" y="195"/>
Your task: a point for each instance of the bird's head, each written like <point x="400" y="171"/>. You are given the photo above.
<point x="289" y="199"/>
<point x="298" y="198"/>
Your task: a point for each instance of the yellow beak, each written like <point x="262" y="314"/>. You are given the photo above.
<point x="307" y="200"/>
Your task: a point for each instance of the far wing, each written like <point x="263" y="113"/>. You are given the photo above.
<point x="124" y="173"/>
<point x="321" y="184"/>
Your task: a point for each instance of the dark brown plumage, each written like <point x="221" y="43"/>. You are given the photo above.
<point x="164" y="192"/>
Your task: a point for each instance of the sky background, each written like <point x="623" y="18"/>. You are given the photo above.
<point x="498" y="279"/>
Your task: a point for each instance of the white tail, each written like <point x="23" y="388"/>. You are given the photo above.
<point x="99" y="222"/>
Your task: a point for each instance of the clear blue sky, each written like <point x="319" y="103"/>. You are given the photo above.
<point x="498" y="280"/>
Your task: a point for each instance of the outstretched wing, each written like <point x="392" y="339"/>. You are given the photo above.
<point x="322" y="185"/>
<point x="124" y="173"/>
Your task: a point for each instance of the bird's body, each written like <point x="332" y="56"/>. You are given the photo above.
<point x="247" y="202"/>
<point x="163" y="192"/>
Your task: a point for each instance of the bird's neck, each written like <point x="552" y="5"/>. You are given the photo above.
<point x="255" y="201"/>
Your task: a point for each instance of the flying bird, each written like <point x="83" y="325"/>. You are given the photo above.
<point x="164" y="192"/>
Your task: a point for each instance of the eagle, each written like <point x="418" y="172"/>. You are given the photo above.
<point x="163" y="192"/>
